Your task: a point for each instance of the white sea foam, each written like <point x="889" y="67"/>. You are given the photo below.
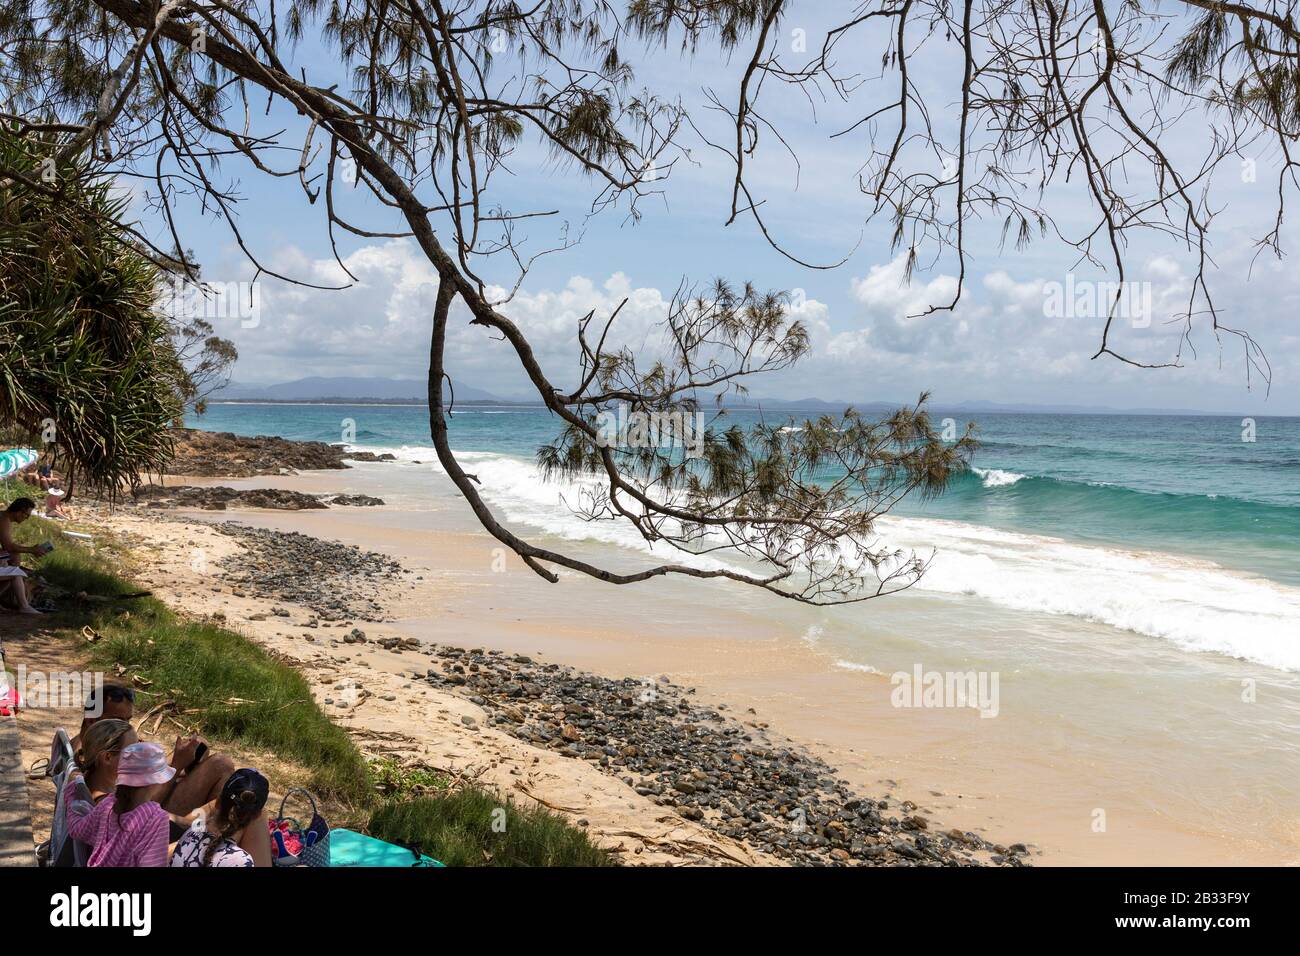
<point x="1195" y="604"/>
<point x="513" y="487"/>
<point x="860" y="668"/>
<point x="996" y="477"/>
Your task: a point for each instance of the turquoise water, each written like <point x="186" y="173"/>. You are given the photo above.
<point x="1184" y="485"/>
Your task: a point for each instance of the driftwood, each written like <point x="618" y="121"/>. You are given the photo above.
<point x="550" y="806"/>
<point x="682" y="847"/>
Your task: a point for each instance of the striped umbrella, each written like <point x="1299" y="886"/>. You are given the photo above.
<point x="16" y="459"/>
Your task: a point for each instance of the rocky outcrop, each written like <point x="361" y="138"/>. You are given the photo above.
<point x="227" y="455"/>
<point x="356" y="501"/>
<point x="219" y="497"/>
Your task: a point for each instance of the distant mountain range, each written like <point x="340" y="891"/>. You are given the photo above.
<point x="412" y="391"/>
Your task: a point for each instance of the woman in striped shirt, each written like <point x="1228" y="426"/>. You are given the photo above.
<point x="93" y="779"/>
<point x="128" y="827"/>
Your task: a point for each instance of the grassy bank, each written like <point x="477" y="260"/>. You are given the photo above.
<point x="219" y="680"/>
<point x="451" y="827"/>
<point x="237" y="693"/>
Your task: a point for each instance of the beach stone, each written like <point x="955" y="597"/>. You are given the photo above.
<point x="326" y="576"/>
<point x="696" y="761"/>
<point x="357" y="501"/>
<point x="370" y="456"/>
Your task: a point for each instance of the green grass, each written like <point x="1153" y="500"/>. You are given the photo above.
<point x="460" y="828"/>
<point x="396" y="781"/>
<point x="236" y="690"/>
<point x="11" y="488"/>
<point x="240" y="694"/>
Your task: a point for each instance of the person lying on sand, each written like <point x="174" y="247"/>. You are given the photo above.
<point x="11" y="573"/>
<point x="201" y="772"/>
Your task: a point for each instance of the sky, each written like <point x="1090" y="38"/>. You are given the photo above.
<point x="1006" y="341"/>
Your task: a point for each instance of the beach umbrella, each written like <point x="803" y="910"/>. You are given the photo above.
<point x="15" y="460"/>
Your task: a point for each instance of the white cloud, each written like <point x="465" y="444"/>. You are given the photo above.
<point x="1000" y="343"/>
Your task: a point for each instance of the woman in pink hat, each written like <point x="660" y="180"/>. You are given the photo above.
<point x="128" y="827"/>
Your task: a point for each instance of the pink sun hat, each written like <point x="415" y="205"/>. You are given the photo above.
<point x="143" y="764"/>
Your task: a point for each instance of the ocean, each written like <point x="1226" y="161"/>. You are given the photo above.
<point x="1132" y="583"/>
<point x="1176" y="527"/>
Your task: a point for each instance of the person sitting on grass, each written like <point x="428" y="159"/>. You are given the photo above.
<point x="45" y="477"/>
<point x="95" y="776"/>
<point x="56" y="504"/>
<point x="201" y="773"/>
<point x="215" y="836"/>
<point x="11" y="573"/>
<point x="128" y="827"/>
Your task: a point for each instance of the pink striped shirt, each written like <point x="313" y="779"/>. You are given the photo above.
<point x="135" y="838"/>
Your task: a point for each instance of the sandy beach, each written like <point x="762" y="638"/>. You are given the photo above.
<point x="369" y="665"/>
<point x="461" y="589"/>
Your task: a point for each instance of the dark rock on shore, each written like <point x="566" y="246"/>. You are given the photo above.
<point x="691" y="759"/>
<point x="337" y="581"/>
<point x="359" y="501"/>
<point x="226" y="454"/>
<point x="217" y="498"/>
<point x="369" y="456"/>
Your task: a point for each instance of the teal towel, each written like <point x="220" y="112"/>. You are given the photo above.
<point x="356" y="849"/>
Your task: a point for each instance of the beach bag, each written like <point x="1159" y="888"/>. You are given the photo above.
<point x="295" y="845"/>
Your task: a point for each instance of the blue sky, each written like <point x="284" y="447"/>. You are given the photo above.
<point x="867" y="345"/>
